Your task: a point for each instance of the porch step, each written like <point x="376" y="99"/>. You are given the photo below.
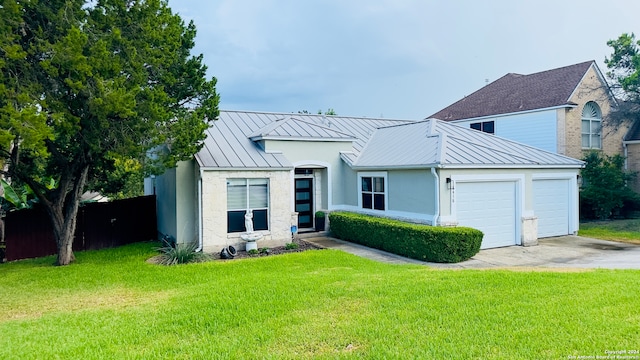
<point x="311" y="234"/>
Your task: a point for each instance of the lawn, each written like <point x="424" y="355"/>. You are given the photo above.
<point x="323" y="304"/>
<point x="626" y="230"/>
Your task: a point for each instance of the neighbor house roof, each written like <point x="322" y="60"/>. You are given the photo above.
<point x="435" y="143"/>
<point x="516" y="93"/>
<point x="233" y="140"/>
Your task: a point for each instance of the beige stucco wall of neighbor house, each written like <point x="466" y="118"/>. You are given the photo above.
<point x="214" y="209"/>
<point x="591" y="89"/>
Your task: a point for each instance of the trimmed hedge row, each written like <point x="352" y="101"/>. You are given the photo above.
<point x="421" y="242"/>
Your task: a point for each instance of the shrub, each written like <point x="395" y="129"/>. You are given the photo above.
<point x="180" y="254"/>
<point x="421" y="242"/>
<point x="604" y="193"/>
<point x="291" y="246"/>
<point x="253" y="252"/>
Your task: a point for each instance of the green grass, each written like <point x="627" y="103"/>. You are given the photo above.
<point x="325" y="304"/>
<point x="627" y="230"/>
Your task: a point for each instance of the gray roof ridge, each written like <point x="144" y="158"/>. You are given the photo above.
<point x="315" y="115"/>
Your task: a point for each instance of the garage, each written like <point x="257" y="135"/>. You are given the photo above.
<point x="491" y="207"/>
<point x="551" y="202"/>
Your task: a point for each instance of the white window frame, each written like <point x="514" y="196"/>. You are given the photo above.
<point x="595" y="127"/>
<point x="247" y="200"/>
<point x="373" y="174"/>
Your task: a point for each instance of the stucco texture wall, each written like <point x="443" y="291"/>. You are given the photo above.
<point x="214" y="209"/>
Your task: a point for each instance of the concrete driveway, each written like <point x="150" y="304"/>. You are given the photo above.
<point x="557" y="252"/>
<point x="560" y="252"/>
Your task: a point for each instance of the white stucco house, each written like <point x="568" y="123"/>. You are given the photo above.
<point x="284" y="167"/>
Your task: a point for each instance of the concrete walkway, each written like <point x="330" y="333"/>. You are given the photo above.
<point x="558" y="252"/>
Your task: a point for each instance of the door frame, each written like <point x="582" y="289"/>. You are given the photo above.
<point x="311" y="178"/>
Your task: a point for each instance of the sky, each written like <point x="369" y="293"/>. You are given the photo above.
<point x="400" y="59"/>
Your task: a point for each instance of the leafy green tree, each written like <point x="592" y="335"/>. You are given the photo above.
<point x="624" y="73"/>
<point x="89" y="88"/>
<point x="604" y="190"/>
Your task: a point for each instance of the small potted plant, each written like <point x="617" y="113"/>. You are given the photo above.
<point x="320" y="220"/>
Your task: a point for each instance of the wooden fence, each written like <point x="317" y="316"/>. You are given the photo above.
<point x="29" y="233"/>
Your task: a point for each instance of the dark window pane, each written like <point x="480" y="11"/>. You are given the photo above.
<point x="366" y="201"/>
<point x="260" y="220"/>
<point x="488" y="127"/>
<point x="378" y="202"/>
<point x="476" y="126"/>
<point x="235" y="221"/>
<point x="366" y="184"/>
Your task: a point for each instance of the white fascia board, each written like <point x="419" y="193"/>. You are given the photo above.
<point x="630" y="142"/>
<point x="513" y="113"/>
<point x="516" y="166"/>
<point x="288" y="168"/>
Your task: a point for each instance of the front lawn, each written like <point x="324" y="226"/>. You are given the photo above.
<point x="625" y="230"/>
<point x="325" y="304"/>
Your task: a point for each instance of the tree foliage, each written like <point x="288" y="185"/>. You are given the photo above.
<point x="624" y="73"/>
<point x="605" y="193"/>
<point x="90" y="88"/>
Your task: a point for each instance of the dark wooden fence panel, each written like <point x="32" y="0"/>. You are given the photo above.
<point x="28" y="234"/>
<point x="99" y="225"/>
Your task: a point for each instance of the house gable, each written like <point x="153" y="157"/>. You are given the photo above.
<point x="515" y="93"/>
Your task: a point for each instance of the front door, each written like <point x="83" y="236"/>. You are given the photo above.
<point x="304" y="202"/>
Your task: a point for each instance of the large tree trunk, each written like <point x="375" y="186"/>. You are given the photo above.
<point x="63" y="214"/>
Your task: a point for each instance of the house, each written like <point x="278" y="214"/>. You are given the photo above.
<point x="284" y="167"/>
<point x="559" y="110"/>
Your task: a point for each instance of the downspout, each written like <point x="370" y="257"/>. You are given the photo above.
<point x="200" y="242"/>
<point x="436" y="215"/>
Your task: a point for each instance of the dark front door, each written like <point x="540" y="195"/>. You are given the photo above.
<point x="304" y="202"/>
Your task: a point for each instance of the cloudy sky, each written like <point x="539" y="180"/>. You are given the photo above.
<point x="391" y="58"/>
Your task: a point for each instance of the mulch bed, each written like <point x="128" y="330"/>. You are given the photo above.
<point x="302" y="246"/>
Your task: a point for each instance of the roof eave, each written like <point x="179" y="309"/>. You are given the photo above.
<point x="569" y="105"/>
<point x="214" y="168"/>
<point x="294" y="138"/>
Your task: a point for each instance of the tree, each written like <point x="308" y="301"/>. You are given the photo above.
<point x="329" y="111"/>
<point x="624" y="73"/>
<point x="605" y="191"/>
<point x="88" y="88"/>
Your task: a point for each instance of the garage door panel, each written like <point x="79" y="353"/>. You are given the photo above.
<point x="551" y="206"/>
<point x="490" y="207"/>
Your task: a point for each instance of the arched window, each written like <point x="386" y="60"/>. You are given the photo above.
<point x="591" y="126"/>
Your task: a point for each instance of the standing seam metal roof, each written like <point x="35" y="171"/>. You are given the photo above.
<point x="228" y="144"/>
<point x="437" y="143"/>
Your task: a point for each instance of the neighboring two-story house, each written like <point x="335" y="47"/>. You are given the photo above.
<point x="559" y="110"/>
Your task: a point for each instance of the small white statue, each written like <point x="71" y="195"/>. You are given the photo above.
<point x="248" y="221"/>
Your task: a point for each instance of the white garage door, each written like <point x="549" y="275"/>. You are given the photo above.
<point x="490" y="207"/>
<point x="551" y="206"/>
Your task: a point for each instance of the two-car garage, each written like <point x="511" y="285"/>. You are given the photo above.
<point x="498" y="205"/>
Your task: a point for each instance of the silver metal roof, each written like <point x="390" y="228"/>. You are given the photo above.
<point x="231" y="142"/>
<point x="437" y="143"/>
<point x="293" y="128"/>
